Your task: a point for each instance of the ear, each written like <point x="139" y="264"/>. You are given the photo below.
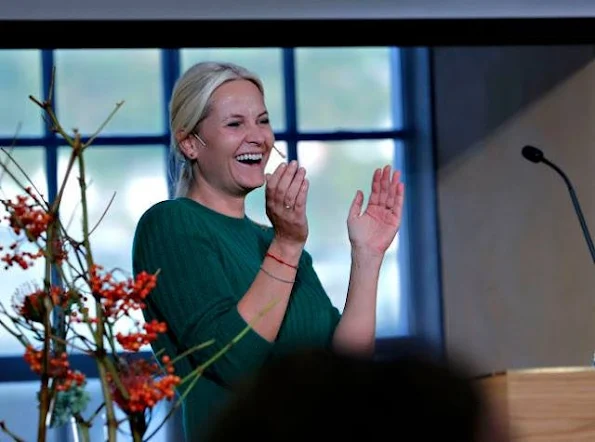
<point x="187" y="145"/>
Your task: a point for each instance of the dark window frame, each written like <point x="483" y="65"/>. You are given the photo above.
<point x="410" y="68"/>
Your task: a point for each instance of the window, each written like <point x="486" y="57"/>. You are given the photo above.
<point x="339" y="111"/>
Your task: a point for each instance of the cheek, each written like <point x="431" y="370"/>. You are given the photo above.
<point x="270" y="137"/>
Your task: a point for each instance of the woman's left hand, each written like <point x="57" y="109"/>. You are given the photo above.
<point x="373" y="230"/>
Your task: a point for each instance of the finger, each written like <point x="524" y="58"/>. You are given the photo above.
<point x="384" y="185"/>
<point x="285" y="181"/>
<point x="356" y="205"/>
<point x="400" y="199"/>
<point x="391" y="199"/>
<point x="273" y="179"/>
<point x="375" y="194"/>
<point x="302" y="196"/>
<point x="294" y="188"/>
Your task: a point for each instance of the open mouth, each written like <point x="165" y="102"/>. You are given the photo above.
<point x="250" y="159"/>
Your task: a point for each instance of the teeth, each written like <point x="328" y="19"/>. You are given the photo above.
<point x="249" y="156"/>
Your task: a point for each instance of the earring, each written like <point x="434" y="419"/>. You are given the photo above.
<point x="200" y="140"/>
<point x="279" y="152"/>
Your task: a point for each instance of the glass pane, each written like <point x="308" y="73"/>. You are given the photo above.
<point x="266" y="63"/>
<point x="137" y="177"/>
<point x="343" y="88"/>
<point x="32" y="160"/>
<point x="336" y="170"/>
<point x="17" y="399"/>
<point x="89" y="83"/>
<point x="255" y="201"/>
<point x="20" y="76"/>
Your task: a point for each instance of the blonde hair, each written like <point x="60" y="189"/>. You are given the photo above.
<point x="191" y="103"/>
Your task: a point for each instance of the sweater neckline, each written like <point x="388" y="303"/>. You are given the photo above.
<point x="222" y="217"/>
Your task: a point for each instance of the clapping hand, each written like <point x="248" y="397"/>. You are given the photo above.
<point x="374" y="230"/>
<point x="286" y="195"/>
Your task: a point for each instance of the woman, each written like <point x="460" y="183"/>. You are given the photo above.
<point x="220" y="271"/>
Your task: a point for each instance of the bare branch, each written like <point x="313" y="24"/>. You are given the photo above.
<point x="107" y="120"/>
<point x="16" y="180"/>
<point x="14" y="437"/>
<point x="103" y="214"/>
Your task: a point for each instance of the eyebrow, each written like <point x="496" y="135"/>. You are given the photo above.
<point x="242" y="116"/>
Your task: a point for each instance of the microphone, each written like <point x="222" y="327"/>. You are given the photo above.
<point x="535" y="155"/>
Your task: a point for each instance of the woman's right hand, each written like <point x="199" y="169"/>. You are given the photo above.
<point x="286" y="192"/>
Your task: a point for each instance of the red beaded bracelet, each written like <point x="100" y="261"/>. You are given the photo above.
<point x="279" y="260"/>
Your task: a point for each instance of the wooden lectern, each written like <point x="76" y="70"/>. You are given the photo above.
<point x="544" y="404"/>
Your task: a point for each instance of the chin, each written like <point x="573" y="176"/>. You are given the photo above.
<point x="252" y="187"/>
<point x="249" y="187"/>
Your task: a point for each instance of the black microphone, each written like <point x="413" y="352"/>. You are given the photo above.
<point x="535" y="155"/>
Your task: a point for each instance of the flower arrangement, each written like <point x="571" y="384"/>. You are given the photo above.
<point x="78" y="294"/>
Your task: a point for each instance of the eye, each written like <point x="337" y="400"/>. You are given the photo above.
<point x="233" y="124"/>
<point x="265" y="121"/>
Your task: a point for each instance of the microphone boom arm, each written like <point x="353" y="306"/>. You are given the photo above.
<point x="576" y="205"/>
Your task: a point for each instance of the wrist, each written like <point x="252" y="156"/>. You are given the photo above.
<point x="366" y="255"/>
<point x="289" y="252"/>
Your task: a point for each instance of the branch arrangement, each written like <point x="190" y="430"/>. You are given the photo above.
<point x="76" y="308"/>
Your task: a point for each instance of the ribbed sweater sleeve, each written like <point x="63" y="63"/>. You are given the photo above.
<point x="193" y="294"/>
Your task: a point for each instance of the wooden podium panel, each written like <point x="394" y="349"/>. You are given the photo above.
<point x="544" y="404"/>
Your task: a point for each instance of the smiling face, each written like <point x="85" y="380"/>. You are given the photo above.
<point x="238" y="139"/>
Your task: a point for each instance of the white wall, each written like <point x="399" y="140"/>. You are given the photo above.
<point x="307" y="9"/>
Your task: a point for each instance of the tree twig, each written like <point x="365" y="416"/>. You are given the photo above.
<point x="14" y="437"/>
<point x="103" y="214"/>
<point x="16" y="180"/>
<point x="102" y="126"/>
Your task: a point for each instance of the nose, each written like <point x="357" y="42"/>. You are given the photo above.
<point x="259" y="135"/>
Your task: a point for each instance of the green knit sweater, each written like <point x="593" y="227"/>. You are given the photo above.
<point x="207" y="262"/>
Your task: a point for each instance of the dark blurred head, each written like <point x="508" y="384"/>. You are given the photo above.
<point x="408" y="396"/>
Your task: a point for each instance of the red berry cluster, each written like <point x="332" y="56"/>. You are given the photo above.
<point x="27" y="216"/>
<point x="134" y="341"/>
<point x="58" y="368"/>
<point x="119" y="297"/>
<point x="145" y="384"/>
<point x="32" y="305"/>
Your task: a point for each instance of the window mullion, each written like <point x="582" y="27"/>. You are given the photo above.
<point x="289" y="76"/>
<point x="170" y="70"/>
